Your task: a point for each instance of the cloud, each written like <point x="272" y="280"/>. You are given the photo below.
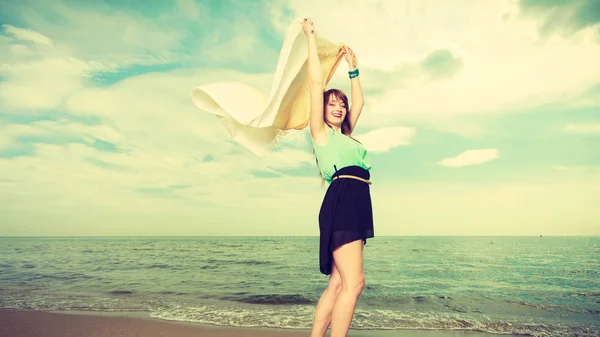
<point x="280" y="16"/>
<point x="5" y="140"/>
<point x="396" y="32"/>
<point x="28" y="35"/>
<point x="563" y="17"/>
<point x="49" y="131"/>
<point x="288" y="159"/>
<point x="41" y="77"/>
<point x="189" y="8"/>
<point x="580" y="169"/>
<point x="492" y="64"/>
<point x="471" y="127"/>
<point x="77" y="179"/>
<point x="87" y="31"/>
<point x="583" y="128"/>
<point x="41" y="85"/>
<point x="233" y="51"/>
<point x="20" y="50"/>
<point x="565" y="204"/>
<point x="384" y="139"/>
<point x="442" y="63"/>
<point x="438" y="64"/>
<point x="470" y="157"/>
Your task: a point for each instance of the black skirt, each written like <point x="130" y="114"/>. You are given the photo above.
<point x="346" y="214"/>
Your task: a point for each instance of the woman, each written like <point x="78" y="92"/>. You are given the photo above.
<point x="345" y="217"/>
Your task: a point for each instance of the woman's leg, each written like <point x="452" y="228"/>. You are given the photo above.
<point x="349" y="261"/>
<point x="325" y="304"/>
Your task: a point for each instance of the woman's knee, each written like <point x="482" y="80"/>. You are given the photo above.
<point x="335" y="281"/>
<point x="335" y="284"/>
<point x="355" y="285"/>
<point x="360" y="284"/>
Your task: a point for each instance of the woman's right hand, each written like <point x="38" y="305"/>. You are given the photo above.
<point x="307" y="26"/>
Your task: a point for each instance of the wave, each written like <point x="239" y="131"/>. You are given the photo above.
<point x="245" y="262"/>
<point x="583" y="272"/>
<point x="556" y="307"/>
<point x="300" y="316"/>
<point x="274" y="299"/>
<point x="160" y="266"/>
<point x="121" y="292"/>
<point x="376" y="298"/>
<point x="207" y="267"/>
<point x="166" y="292"/>
<point x="67" y="276"/>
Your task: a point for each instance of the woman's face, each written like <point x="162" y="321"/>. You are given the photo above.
<point x="335" y="110"/>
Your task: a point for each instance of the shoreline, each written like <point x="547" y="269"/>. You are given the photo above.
<point x="18" y="322"/>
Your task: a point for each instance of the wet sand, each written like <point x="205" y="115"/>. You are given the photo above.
<point x="20" y="323"/>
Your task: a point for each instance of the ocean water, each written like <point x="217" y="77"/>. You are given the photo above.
<point x="537" y="286"/>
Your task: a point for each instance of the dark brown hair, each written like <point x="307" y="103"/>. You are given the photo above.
<point x="340" y="95"/>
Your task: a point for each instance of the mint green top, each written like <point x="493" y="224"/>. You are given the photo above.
<point x="340" y="151"/>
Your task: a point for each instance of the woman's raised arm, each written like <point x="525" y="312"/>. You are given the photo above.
<point x="357" y="98"/>
<point x="317" y="123"/>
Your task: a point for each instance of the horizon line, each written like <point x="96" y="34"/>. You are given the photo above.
<point x="239" y="236"/>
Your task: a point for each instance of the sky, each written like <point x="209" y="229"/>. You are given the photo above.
<point x="480" y="117"/>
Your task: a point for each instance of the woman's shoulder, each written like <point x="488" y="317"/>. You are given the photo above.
<point x="321" y="138"/>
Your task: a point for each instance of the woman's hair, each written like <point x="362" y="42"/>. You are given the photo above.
<point x="340" y="95"/>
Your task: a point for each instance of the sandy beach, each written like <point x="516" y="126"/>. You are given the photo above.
<point x="18" y="323"/>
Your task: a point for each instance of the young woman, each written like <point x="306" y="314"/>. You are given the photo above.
<point x="346" y="216"/>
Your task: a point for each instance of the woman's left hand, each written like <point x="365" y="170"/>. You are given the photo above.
<point x="350" y="57"/>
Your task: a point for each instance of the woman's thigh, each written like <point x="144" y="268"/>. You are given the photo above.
<point x="348" y="259"/>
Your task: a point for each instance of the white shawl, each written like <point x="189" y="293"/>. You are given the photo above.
<point x="256" y="122"/>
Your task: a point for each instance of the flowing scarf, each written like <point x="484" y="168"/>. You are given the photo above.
<point x="257" y="122"/>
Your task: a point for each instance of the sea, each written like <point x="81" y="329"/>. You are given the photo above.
<point x="527" y="285"/>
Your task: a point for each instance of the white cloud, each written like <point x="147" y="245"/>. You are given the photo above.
<point x="384" y="139"/>
<point x="97" y="27"/>
<point x="5" y="140"/>
<point x="104" y="38"/>
<point x="127" y="187"/>
<point x="28" y="35"/>
<point x="20" y="50"/>
<point x="466" y="126"/>
<point x="189" y="8"/>
<point x="470" y="157"/>
<point x="280" y="19"/>
<point x="288" y="158"/>
<point x="580" y="169"/>
<point x="583" y="128"/>
<point x="50" y="130"/>
<point x="40" y="85"/>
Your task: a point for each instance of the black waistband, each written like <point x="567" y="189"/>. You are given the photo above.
<point x="353" y="171"/>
